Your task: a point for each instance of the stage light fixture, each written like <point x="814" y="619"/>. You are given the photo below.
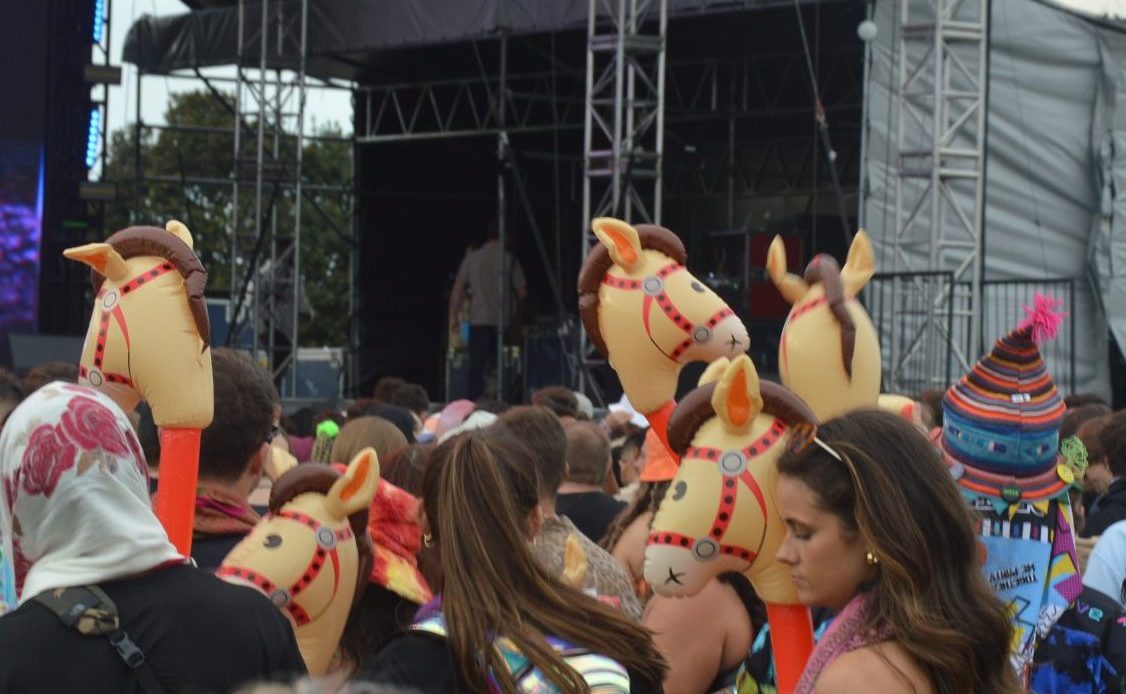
<point x="93" y="134"/>
<point x="99" y="20"/>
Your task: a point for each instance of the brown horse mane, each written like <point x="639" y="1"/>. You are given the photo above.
<point x="318" y="479"/>
<point x="598" y="263"/>
<point x="824" y="269"/>
<point x="143" y="240"/>
<point x="696" y="408"/>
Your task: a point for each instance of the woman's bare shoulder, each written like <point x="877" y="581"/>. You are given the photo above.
<point x="881" y="667"/>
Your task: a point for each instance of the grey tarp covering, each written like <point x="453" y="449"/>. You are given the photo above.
<point x="1056" y="161"/>
<point x="343" y="33"/>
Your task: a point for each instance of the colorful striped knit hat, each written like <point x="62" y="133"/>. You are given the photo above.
<point x="1004" y="416"/>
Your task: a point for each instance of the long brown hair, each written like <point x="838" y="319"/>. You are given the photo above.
<point x="894" y="491"/>
<point x="479" y="491"/>
<point x="648" y="498"/>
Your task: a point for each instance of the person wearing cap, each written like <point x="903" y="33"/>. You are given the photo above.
<point x="1000" y="443"/>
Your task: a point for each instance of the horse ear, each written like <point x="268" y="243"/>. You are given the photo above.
<point x="177" y="229"/>
<point x="736" y="399"/>
<point x="792" y="287"/>
<point x="103" y="258"/>
<point x="354" y="491"/>
<point x="859" y="267"/>
<point x="714" y="372"/>
<point x="620" y="239"/>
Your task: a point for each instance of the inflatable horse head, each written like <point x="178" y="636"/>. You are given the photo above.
<point x="149" y="335"/>
<point x="312" y="554"/>
<point x="149" y="339"/>
<point x="719" y="514"/>
<point x="826" y="318"/>
<point x="648" y="314"/>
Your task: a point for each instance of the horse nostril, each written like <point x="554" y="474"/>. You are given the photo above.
<point x="674" y="577"/>
<point x="734" y="342"/>
<point x="272" y="541"/>
<point x="696" y="286"/>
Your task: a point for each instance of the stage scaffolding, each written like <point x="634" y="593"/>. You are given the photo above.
<point x="939" y="196"/>
<point x="267" y="185"/>
<point x="620" y="101"/>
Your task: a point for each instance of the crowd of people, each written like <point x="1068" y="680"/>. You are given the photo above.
<point x="482" y="510"/>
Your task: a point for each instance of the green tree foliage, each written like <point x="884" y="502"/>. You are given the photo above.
<point x="187" y="174"/>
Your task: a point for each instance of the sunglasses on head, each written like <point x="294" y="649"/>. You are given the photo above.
<point x="273" y="433"/>
<point x="804" y="436"/>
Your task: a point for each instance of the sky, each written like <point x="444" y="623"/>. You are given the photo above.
<point x="323" y="106"/>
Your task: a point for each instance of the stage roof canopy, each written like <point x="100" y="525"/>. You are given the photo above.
<point x="348" y="39"/>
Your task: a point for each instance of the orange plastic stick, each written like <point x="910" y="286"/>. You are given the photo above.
<point x="659" y="422"/>
<point x="791" y="638"/>
<point x="175" y="492"/>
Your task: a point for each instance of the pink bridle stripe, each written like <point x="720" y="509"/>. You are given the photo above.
<point x="119" y="317"/>
<point x="620" y="283"/>
<point x="712" y="322"/>
<point x="139" y="280"/>
<point x="728" y="495"/>
<point x="802" y="309"/>
<point x="667" y="307"/>
<point x="679" y="540"/>
<point x="111" y="377"/>
<point x="312" y="570"/>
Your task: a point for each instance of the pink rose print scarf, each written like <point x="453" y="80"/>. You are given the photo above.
<point x="75" y="508"/>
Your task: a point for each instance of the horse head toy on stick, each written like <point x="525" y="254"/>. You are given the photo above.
<point x="826" y="312"/>
<point x="312" y="555"/>
<point x="649" y="316"/>
<point x="149" y="340"/>
<point x="719" y="514"/>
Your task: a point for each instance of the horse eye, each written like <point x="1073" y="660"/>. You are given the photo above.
<point x="679" y="490"/>
<point x="698" y="287"/>
<point x="272" y="541"/>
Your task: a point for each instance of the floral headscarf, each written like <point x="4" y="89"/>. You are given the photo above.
<point x="396" y="534"/>
<point x="75" y="509"/>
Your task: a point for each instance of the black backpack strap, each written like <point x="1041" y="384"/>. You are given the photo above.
<point x="90" y="612"/>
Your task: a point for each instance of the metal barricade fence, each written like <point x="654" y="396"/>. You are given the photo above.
<point x="923" y="326"/>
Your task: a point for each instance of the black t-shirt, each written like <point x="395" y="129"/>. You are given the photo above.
<point x="423" y="662"/>
<point x="591" y="512"/>
<point x="197" y="632"/>
<point x="209" y="552"/>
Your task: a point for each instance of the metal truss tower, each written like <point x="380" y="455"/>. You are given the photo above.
<point x="624" y="126"/>
<point x="266" y="286"/>
<point x="939" y="196"/>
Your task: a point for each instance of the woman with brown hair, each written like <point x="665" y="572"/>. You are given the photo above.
<point x="503" y="623"/>
<point x="878" y="532"/>
<point x="367" y="432"/>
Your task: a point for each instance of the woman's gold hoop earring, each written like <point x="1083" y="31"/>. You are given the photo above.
<point x="427" y="539"/>
<point x="871" y="558"/>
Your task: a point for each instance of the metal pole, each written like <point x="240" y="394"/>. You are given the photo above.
<point x="861" y="217"/>
<point x="137" y="154"/>
<point x="298" y="284"/>
<point x="236" y="220"/>
<point x="619" y="83"/>
<point x="502" y="142"/>
<point x="660" y="143"/>
<point x="259" y="153"/>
